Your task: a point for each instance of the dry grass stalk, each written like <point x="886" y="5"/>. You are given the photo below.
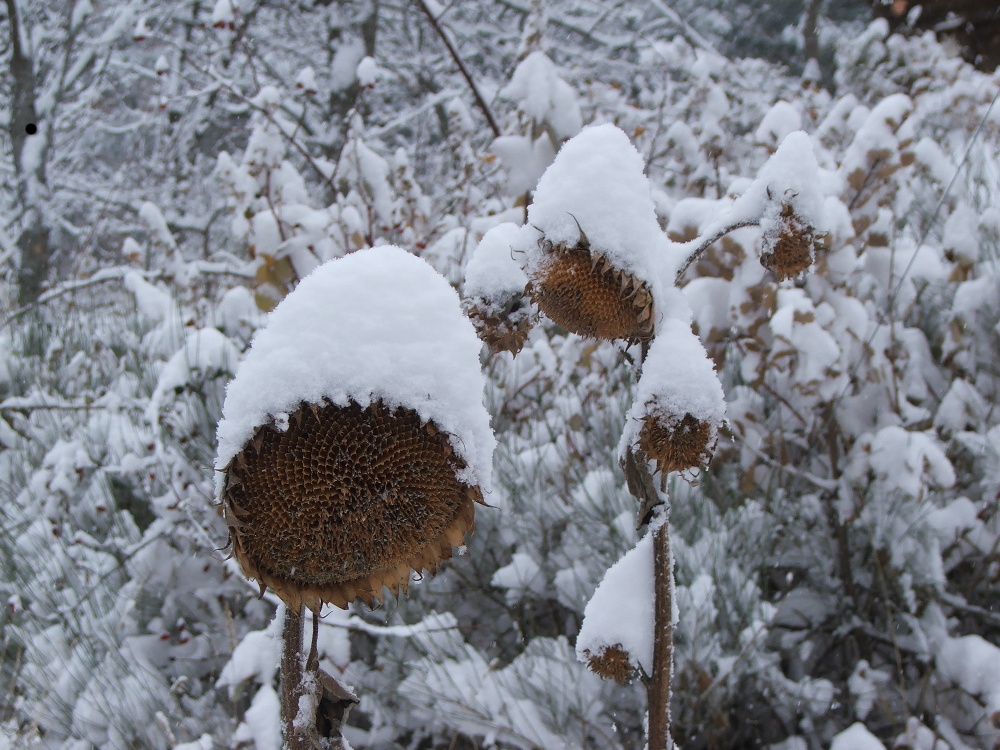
<point x="345" y="502"/>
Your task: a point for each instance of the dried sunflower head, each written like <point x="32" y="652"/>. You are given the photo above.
<point x="676" y="442"/>
<point x="503" y="323"/>
<point x="586" y="293"/>
<point x="343" y="501"/>
<point x="789" y="245"/>
<point x="354" y="441"/>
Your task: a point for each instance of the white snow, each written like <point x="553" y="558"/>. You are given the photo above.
<point x="255" y="657"/>
<point x="520" y="577"/>
<point x="544" y="96"/>
<point x="856" y="737"/>
<point x="960" y="233"/>
<point x="306" y="80"/>
<point x="343" y="70"/>
<point x="781" y="120"/>
<point x="205" y="351"/>
<point x="972" y="663"/>
<point x="205" y="742"/>
<point x="493" y="271"/>
<point x="525" y="159"/>
<point x="367" y="71"/>
<point x="262" y="721"/>
<point x="379" y="324"/>
<point x="151" y="301"/>
<point x="150" y="213"/>
<point x="621" y="611"/>
<point x="597" y="180"/>
<point x="223" y="13"/>
<point x="790" y="175"/>
<point x="677" y="378"/>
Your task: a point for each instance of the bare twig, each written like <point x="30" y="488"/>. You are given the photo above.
<point x="480" y="102"/>
<point x="700" y="244"/>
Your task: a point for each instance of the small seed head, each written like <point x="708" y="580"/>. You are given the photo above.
<point x="613" y="663"/>
<point x="790" y="248"/>
<point x="675" y="442"/>
<point x="503" y="325"/>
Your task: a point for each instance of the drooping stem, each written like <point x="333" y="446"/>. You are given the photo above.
<point x="658" y="686"/>
<point x="700" y="244"/>
<point x="291" y="679"/>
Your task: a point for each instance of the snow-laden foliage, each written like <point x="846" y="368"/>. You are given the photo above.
<point x="836" y="563"/>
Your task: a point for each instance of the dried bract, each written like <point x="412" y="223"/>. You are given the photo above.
<point x="343" y="501"/>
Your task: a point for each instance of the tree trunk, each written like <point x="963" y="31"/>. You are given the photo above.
<point x="810" y="35"/>
<point x="34" y="241"/>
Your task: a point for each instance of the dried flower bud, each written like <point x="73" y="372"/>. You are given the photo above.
<point x="613" y="663"/>
<point x="502" y="324"/>
<point x="789" y="244"/>
<point x="337" y="502"/>
<point x="676" y="442"/>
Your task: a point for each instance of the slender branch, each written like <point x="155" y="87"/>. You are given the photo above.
<point x="701" y="244"/>
<point x="480" y="102"/>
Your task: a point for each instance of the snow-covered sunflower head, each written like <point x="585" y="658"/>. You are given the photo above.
<point x="354" y="442"/>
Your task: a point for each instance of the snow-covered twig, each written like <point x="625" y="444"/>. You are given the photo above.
<point x="480" y="102"/>
<point x="699" y="245"/>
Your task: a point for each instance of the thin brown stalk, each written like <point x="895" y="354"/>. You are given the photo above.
<point x="658" y="687"/>
<point x="480" y="102"/>
<point x="291" y="679"/>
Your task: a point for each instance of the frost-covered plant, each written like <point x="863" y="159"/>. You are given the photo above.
<point x="597" y="263"/>
<point x="347" y="461"/>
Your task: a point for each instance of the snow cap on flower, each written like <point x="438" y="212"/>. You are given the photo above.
<point x="592" y="271"/>
<point x="494" y="290"/>
<point x="354" y="440"/>
<point x="616" y="637"/>
<point x="679" y="405"/>
<point x="787" y="195"/>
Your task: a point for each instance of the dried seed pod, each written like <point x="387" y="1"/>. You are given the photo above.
<point x="789" y="245"/>
<point x="344" y="502"/>
<point x="613" y="663"/>
<point x="502" y="324"/>
<point x="586" y="293"/>
<point x="676" y="442"/>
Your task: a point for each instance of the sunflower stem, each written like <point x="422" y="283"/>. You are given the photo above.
<point x="658" y="686"/>
<point x="291" y="679"/>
